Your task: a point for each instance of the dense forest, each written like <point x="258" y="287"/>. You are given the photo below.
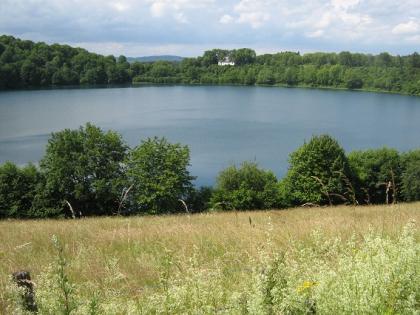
<point x="24" y="63"/>
<point x="88" y="172"/>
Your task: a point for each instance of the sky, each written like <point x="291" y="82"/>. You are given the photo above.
<point x="189" y="27"/>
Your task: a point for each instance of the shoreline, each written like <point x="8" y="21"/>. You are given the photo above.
<point x="139" y="84"/>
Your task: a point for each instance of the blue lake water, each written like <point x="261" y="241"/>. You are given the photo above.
<point x="222" y="125"/>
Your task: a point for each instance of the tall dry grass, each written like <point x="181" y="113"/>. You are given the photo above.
<point x="139" y="248"/>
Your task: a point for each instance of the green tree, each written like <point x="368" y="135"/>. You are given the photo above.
<point x="414" y="60"/>
<point x="345" y="58"/>
<point x="309" y="74"/>
<point x="17" y="190"/>
<point x="323" y="76"/>
<point x="162" y="69"/>
<point x="318" y="173"/>
<point x="210" y="57"/>
<point x="89" y="77"/>
<point x="158" y="171"/>
<point x="411" y="181"/>
<point x="411" y="175"/>
<point x="266" y="76"/>
<point x="353" y="79"/>
<point x="384" y="59"/>
<point x="291" y="76"/>
<point x="336" y="75"/>
<point x="243" y="56"/>
<point x="9" y="76"/>
<point x="375" y="170"/>
<point x="250" y="77"/>
<point x="30" y="74"/>
<point x="246" y="187"/>
<point x="83" y="167"/>
<point x="24" y="63"/>
<point x="199" y="199"/>
<point x="65" y="76"/>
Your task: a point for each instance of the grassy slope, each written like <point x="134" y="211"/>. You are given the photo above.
<point x="139" y="245"/>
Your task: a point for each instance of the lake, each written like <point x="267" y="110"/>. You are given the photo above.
<point x="222" y="125"/>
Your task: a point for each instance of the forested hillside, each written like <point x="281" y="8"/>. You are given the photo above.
<point x="24" y="63"/>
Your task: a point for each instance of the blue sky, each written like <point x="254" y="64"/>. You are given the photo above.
<point x="188" y="27"/>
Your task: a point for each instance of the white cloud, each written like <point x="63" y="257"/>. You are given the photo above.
<point x="315" y="34"/>
<point x="176" y="8"/>
<point x="180" y="17"/>
<point x="255" y="19"/>
<point x="158" y="9"/>
<point x="414" y="39"/>
<point x="253" y="12"/>
<point x="410" y="27"/>
<point x="120" y="6"/>
<point x="226" y="19"/>
<point x="333" y="20"/>
<point x="307" y="25"/>
<point x="344" y="4"/>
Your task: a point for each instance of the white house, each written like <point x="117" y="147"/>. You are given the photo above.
<point x="226" y="62"/>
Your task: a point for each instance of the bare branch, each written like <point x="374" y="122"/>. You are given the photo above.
<point x="124" y="196"/>
<point x="184" y="204"/>
<point x="73" y="214"/>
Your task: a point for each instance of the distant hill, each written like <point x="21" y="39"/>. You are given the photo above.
<point x="155" y="58"/>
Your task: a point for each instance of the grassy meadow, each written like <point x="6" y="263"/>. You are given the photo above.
<point x="279" y="261"/>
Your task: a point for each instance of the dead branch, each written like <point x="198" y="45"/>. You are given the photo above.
<point x="124" y="196"/>
<point x="184" y="204"/>
<point x="73" y="214"/>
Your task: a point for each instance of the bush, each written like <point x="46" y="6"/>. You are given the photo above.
<point x="374" y="170"/>
<point x="17" y="190"/>
<point x="83" y="167"/>
<point x="199" y="199"/>
<point x="353" y="80"/>
<point x="246" y="187"/>
<point x="158" y="171"/>
<point x="411" y="176"/>
<point x="319" y="173"/>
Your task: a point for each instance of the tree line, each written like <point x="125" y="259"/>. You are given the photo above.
<point x="91" y="172"/>
<point x="24" y="63"/>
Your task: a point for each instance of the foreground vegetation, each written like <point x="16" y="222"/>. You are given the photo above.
<point x="89" y="172"/>
<point x="334" y="260"/>
<point x="24" y="63"/>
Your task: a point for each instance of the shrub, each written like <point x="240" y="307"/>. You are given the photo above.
<point x="83" y="167"/>
<point x="284" y="197"/>
<point x="199" y="199"/>
<point x="411" y="175"/>
<point x="17" y="190"/>
<point x="158" y="171"/>
<point x="374" y="170"/>
<point x="319" y="173"/>
<point x="353" y="79"/>
<point x="246" y="187"/>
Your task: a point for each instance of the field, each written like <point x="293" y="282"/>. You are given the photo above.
<point x="214" y="262"/>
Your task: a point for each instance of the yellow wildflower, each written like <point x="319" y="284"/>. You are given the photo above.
<point x="305" y="286"/>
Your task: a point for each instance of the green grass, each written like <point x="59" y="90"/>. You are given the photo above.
<point x="232" y="262"/>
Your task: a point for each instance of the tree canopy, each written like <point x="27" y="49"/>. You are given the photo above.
<point x="84" y="168"/>
<point x="245" y="187"/>
<point x="375" y="170"/>
<point x="24" y="63"/>
<point x="158" y="171"/>
<point x="318" y="172"/>
<point x="88" y="171"/>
